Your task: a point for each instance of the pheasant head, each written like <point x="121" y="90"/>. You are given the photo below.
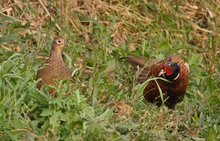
<point x="170" y="71"/>
<point x="58" y="45"/>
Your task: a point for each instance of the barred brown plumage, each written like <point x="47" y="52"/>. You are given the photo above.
<point x="54" y="68"/>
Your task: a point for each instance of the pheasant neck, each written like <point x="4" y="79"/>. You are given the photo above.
<point x="56" y="54"/>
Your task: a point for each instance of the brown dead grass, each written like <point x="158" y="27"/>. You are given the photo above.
<point x="199" y="16"/>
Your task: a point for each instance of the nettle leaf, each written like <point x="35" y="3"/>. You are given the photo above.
<point x="106" y="115"/>
<point x="195" y="60"/>
<point x="47" y="112"/>
<point x="89" y="111"/>
<point x="45" y="125"/>
<point x="110" y="66"/>
<point x="54" y="120"/>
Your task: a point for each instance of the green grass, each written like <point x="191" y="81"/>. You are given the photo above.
<point x="99" y="33"/>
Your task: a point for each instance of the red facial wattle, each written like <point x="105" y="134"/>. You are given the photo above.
<point x="169" y="70"/>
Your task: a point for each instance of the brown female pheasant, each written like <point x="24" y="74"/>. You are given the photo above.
<point x="172" y="68"/>
<point x="54" y="68"/>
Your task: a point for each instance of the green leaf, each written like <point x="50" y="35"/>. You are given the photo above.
<point x="47" y="112"/>
<point x="106" y="115"/>
<point x="143" y="85"/>
<point x="89" y="111"/>
<point x="212" y="135"/>
<point x="195" y="60"/>
<point x="110" y="66"/>
<point x="55" y="119"/>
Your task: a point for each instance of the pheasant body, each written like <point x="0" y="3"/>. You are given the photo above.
<point x="172" y="68"/>
<point x="54" y="68"/>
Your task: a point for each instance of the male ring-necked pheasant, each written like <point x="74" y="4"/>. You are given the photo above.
<point x="172" y="68"/>
<point x="54" y="68"/>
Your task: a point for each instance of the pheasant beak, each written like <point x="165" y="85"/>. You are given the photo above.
<point x="162" y="72"/>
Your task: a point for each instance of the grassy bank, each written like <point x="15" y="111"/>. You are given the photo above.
<point x="106" y="103"/>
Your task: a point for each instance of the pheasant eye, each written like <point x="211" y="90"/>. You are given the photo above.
<point x="58" y="41"/>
